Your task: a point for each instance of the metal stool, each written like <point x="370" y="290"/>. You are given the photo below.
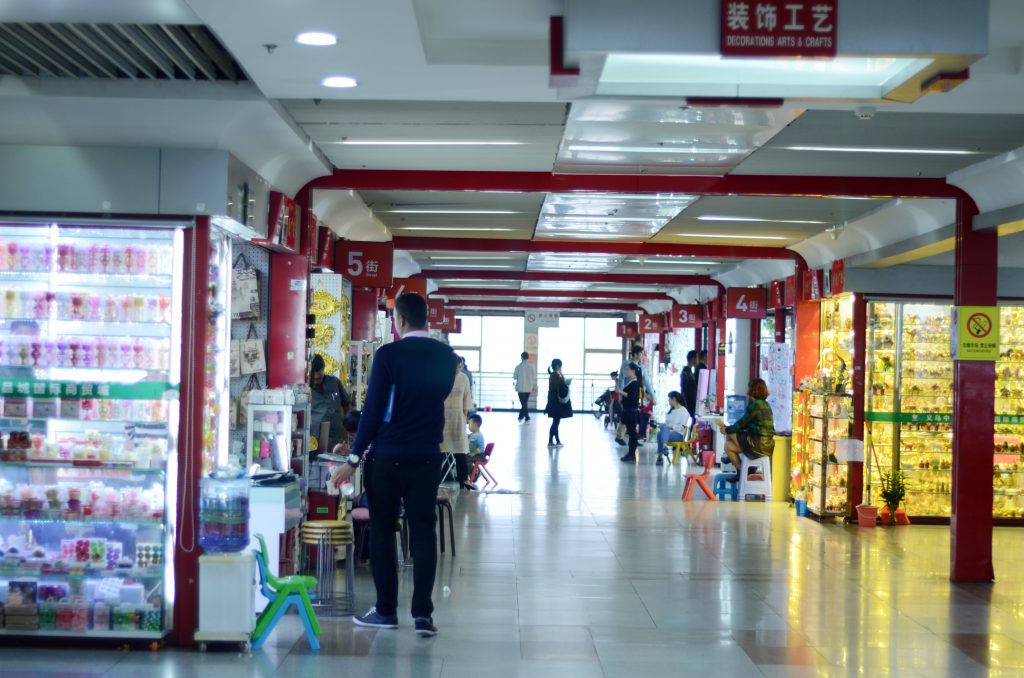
<point x="326" y="536"/>
<point x="444" y="504"/>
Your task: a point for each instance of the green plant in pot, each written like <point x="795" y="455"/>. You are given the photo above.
<point x="894" y="490"/>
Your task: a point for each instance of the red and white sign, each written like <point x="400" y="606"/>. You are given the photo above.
<point x="779" y="28"/>
<point x="746" y="302"/>
<point x="685" y="315"/>
<point x="365" y="264"/>
<point x="813" y="283"/>
<point x="449" y="321"/>
<point x="405" y="285"/>
<point x="651" y="324"/>
<point x="435" y="311"/>
<point x="838" y="276"/>
<point x="627" y="330"/>
<point x="457" y="329"/>
<point x="791" y="290"/>
<point x="777" y="294"/>
<point x="283" y="221"/>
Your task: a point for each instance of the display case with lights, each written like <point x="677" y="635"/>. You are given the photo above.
<point x="799" y="462"/>
<point x="89" y="371"/>
<point x="829" y="418"/>
<point x="837" y="342"/>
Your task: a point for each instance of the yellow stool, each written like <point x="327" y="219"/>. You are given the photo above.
<point x="678" y="448"/>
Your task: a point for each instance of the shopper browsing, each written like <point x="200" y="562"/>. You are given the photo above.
<point x="636" y="357"/>
<point x="677" y="422"/>
<point x="559" y="405"/>
<point x="456" y="408"/>
<point x="330" y="403"/>
<point x="688" y="384"/>
<point x="403" y="420"/>
<point x="754" y="434"/>
<point x="524" y="378"/>
<point x="632" y="396"/>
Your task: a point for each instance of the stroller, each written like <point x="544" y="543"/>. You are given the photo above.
<point x="608" y="406"/>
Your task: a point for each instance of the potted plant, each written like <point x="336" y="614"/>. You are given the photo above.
<point x="893" y="491"/>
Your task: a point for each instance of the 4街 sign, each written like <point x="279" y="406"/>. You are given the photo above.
<point x="975" y="333"/>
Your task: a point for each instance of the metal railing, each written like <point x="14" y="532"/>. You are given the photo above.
<point x="495" y="390"/>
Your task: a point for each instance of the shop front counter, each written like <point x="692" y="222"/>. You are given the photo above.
<point x="274" y="511"/>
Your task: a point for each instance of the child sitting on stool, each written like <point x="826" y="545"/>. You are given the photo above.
<point x="476" y="439"/>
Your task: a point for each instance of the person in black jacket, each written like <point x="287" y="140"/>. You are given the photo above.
<point x="632" y="396"/>
<point x="688" y="383"/>
<point x="559" y="405"/>
<point x="400" y="433"/>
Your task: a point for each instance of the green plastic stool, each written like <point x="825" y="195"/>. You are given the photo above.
<point x="283" y="592"/>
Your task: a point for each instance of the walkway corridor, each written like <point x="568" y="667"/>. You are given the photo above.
<point x="597" y="569"/>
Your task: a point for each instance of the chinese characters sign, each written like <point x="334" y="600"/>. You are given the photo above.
<point x="627" y="330"/>
<point x="364" y="264"/>
<point x="541" y="319"/>
<point x="685" y="315"/>
<point x="774" y="28"/>
<point x="975" y="333"/>
<point x="813" y="282"/>
<point x="838" y="276"/>
<point x="777" y="294"/>
<point x="746" y="302"/>
<point x="405" y="285"/>
<point x="651" y="324"/>
<point x="435" y="311"/>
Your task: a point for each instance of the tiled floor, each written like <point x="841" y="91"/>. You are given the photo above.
<point x="597" y="569"/>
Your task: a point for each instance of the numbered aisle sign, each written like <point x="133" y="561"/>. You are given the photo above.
<point x="627" y="330"/>
<point x="405" y="285"/>
<point x="435" y="311"/>
<point x="838" y="276"/>
<point x="365" y="264"/>
<point x="685" y="315"/>
<point x="651" y="324"/>
<point x="746" y="302"/>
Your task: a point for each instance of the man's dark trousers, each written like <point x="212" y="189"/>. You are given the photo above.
<point x="390" y="480"/>
<point x="524" y="406"/>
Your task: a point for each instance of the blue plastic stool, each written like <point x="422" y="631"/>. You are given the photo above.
<point x="279" y="604"/>
<point x="726" y="485"/>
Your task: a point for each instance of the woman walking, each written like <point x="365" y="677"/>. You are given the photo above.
<point x="632" y="396"/>
<point x="559" y="404"/>
<point x="456" y="408"/>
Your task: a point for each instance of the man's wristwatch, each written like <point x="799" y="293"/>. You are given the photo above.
<point x="353" y="460"/>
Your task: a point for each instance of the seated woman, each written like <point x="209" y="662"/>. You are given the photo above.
<point x="754" y="434"/>
<point x="677" y="421"/>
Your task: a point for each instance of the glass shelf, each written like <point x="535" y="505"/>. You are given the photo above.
<point x="80" y="571"/>
<point x="80" y="467"/>
<point x="83" y="523"/>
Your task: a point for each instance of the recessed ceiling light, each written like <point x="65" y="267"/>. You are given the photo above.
<point x="317" y="39"/>
<point x="404" y="211"/>
<point x="688" y="150"/>
<point x="882" y="149"/>
<point x="672" y="262"/>
<point x="471" y="266"/>
<point x="724" y="217"/>
<point x="464" y="229"/>
<point x="339" y="81"/>
<point x="472" y="256"/>
<point x="422" y="142"/>
<point x="731" y="236"/>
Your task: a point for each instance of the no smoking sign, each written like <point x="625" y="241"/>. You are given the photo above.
<point x="975" y="333"/>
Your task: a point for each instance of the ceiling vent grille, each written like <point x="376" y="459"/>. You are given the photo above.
<point x="115" y="51"/>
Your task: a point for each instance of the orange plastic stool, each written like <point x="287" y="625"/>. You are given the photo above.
<point x="692" y="480"/>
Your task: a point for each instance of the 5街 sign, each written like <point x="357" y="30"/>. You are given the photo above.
<point x="975" y="333"/>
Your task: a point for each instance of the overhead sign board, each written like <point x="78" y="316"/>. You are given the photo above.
<point x="838" y="276"/>
<point x="779" y="28"/>
<point x="402" y="286"/>
<point x="365" y="264"/>
<point x="777" y="294"/>
<point x="651" y="324"/>
<point x="627" y="330"/>
<point x="435" y="311"/>
<point x="541" y="319"/>
<point x="746" y="302"/>
<point x="685" y="315"/>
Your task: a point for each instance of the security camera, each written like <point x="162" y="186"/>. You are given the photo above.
<point x="864" y="112"/>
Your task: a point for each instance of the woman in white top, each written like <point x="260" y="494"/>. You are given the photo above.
<point x="456" y="408"/>
<point x="677" y="421"/>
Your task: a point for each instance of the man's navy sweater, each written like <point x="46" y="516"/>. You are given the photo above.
<point x="404" y="409"/>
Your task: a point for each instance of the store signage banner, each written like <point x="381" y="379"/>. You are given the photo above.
<point x="365" y="264"/>
<point x="777" y="294"/>
<point x="435" y="311"/>
<point x="975" y="333"/>
<point x="838" y="276"/>
<point x="627" y="330"/>
<point x="746" y="302"/>
<point x="449" y="322"/>
<point x="541" y="319"/>
<point x="651" y="324"/>
<point x="685" y="315"/>
<point x="826" y="283"/>
<point x="457" y="329"/>
<point x="790" y="290"/>
<point x="283" y="220"/>
<point x="813" y="281"/>
<point x="779" y="28"/>
<point x="406" y="285"/>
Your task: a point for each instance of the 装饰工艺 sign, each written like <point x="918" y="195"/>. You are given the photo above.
<point x="779" y="28"/>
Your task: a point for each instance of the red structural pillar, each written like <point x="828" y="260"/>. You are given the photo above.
<point x="780" y="326"/>
<point x="755" y="348"/>
<point x="720" y="352"/>
<point x="973" y="408"/>
<point x="807" y="324"/>
<point x="855" y="469"/>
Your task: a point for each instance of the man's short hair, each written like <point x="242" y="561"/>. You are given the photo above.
<point x="636" y="350"/>
<point x="413" y="308"/>
<point x="477" y="418"/>
<point x="317" y="364"/>
<point x="524" y="355"/>
<point x="690" y="355"/>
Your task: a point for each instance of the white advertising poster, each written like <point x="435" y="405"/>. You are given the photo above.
<point x="777" y="372"/>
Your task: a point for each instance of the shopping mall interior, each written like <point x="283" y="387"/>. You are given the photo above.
<point x="210" y="212"/>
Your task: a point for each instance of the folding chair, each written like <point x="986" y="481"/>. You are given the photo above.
<point x="448" y="466"/>
<point x="480" y="467"/>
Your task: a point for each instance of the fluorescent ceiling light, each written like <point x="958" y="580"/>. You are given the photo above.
<point x="732" y="236"/>
<point x="405" y="211"/>
<point x="714" y="76"/>
<point x="471" y="266"/>
<point x="724" y="217"/>
<point x="882" y="149"/>
<point x="422" y="142"/>
<point x="673" y="262"/>
<point x="470" y="257"/>
<point x="686" y="150"/>
<point x="465" y="282"/>
<point x="464" y="229"/>
<point x="317" y="39"/>
<point x="596" y="218"/>
<point x="578" y="234"/>
<point x="339" y="81"/>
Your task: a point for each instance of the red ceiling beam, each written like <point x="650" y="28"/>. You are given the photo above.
<point x="548" y="182"/>
<point x="572" y="276"/>
<point x="567" y="305"/>
<point x="649" y="249"/>
<point x="568" y="294"/>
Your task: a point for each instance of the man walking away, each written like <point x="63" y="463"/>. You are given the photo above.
<point x="402" y="425"/>
<point x="688" y="384"/>
<point x="525" y="381"/>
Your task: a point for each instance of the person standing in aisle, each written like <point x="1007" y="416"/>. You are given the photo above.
<point x="330" y="403"/>
<point x="632" y="396"/>
<point x="469" y="377"/>
<point x="524" y="378"/>
<point x="399" y="436"/>
<point x="559" y="405"/>
<point x="456" y="410"/>
<point x="688" y="384"/>
<point x="638" y="350"/>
